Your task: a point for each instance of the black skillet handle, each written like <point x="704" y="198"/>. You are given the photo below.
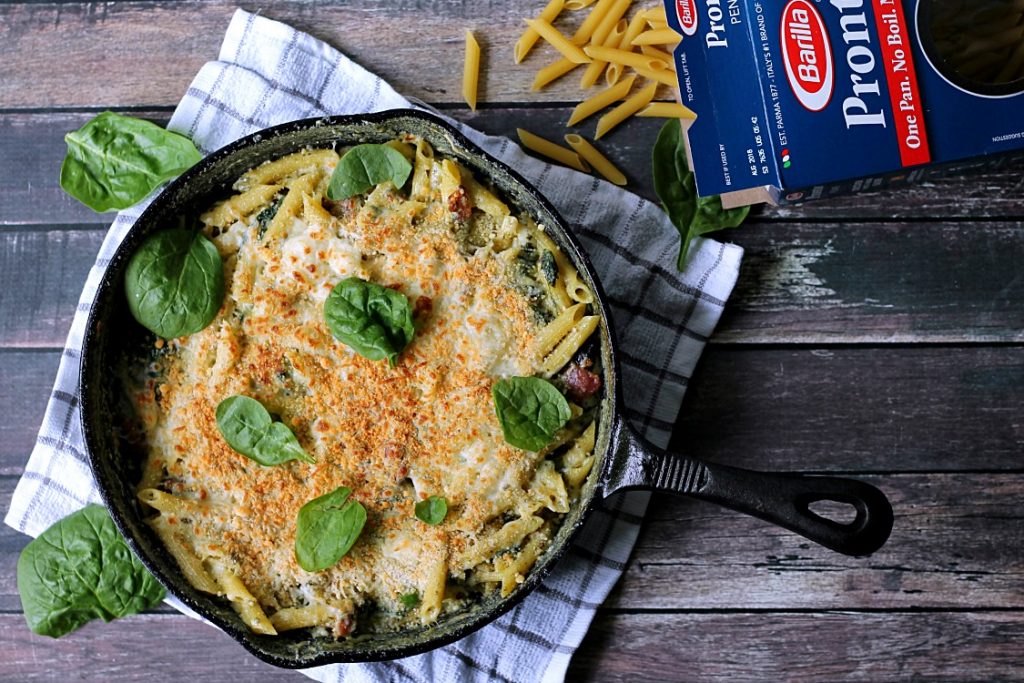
<point x="782" y="499"/>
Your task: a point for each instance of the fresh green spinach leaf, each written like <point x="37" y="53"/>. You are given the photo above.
<point x="530" y="410"/>
<point x="432" y="510"/>
<point x="409" y="600"/>
<point x="175" y="283"/>
<point x="248" y="428"/>
<point x="675" y="186"/>
<point x="78" y="570"/>
<point x="364" y="167"/>
<point x="326" y="529"/>
<point x="375" y="321"/>
<point x="264" y="217"/>
<point x="114" y="161"/>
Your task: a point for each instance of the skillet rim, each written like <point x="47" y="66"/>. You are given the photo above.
<point x="608" y="420"/>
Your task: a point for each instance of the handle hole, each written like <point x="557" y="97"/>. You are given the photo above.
<point x="834" y="511"/>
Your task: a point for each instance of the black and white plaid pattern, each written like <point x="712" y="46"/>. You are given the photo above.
<point x="268" y="73"/>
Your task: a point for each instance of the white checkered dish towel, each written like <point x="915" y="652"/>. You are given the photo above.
<point x="268" y="73"/>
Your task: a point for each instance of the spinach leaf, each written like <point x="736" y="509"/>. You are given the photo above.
<point x="78" y="570"/>
<point x="530" y="410"/>
<point x="364" y="167"/>
<point x="175" y="283"/>
<point x="114" y="161"/>
<point x="375" y="321"/>
<point x="675" y="186"/>
<point x="264" y="217"/>
<point x="409" y="600"/>
<point x="248" y="428"/>
<point x="326" y="529"/>
<point x="432" y="510"/>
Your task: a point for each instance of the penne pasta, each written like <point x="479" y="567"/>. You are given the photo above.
<point x="661" y="36"/>
<point x="622" y="112"/>
<point x="291" y="206"/>
<point x="586" y="29"/>
<point x="568" y="347"/>
<point x="654" y="14"/>
<point x="667" y="110"/>
<point x="654" y="52"/>
<point x="595" y="159"/>
<point x="187" y="559"/>
<point x="609" y="21"/>
<point x="471" y="70"/>
<point x="661" y="74"/>
<point x="637" y="61"/>
<point x="564" y="156"/>
<point x="596" y="67"/>
<point x="242" y="599"/>
<point x="551" y="34"/>
<point x="240" y="206"/>
<point x="578" y="4"/>
<point x="636" y="27"/>
<point x="530" y="36"/>
<point x="273" y="172"/>
<point x="433" y="592"/>
<point x="552" y="72"/>
<point x="597" y="102"/>
<point x="291" y="618"/>
<point x="556" y="330"/>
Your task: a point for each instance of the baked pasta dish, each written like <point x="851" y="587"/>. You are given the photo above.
<point x="388" y="410"/>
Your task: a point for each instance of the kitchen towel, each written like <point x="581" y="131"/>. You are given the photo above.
<point x="268" y="73"/>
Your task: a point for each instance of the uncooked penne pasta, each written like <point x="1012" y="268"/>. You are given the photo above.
<point x="471" y="70"/>
<point x="595" y="159"/>
<point x="667" y="110"/>
<point x="652" y="51"/>
<point x="578" y="4"/>
<point x="530" y="36"/>
<point x="564" y="156"/>
<point x="635" y="28"/>
<point x="552" y="72"/>
<point x="661" y="36"/>
<point x="601" y="100"/>
<point x="654" y="14"/>
<point x="608" y="22"/>
<point x="589" y="24"/>
<point x="551" y="34"/>
<point x="660" y="74"/>
<point x="596" y="67"/>
<point x="622" y="112"/>
<point x="637" y="61"/>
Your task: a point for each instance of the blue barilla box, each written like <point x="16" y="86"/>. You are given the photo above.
<point x="804" y="99"/>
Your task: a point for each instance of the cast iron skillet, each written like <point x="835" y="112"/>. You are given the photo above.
<point x="624" y="460"/>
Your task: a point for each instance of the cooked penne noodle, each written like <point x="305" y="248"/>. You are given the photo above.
<point x="291" y="618"/>
<point x="448" y="176"/>
<point x="601" y="100"/>
<point x="550" y="487"/>
<point x="424" y="162"/>
<point x="530" y="36"/>
<point x="551" y="34"/>
<point x="240" y="206"/>
<point x="291" y="205"/>
<point x="595" y="159"/>
<point x="637" y="61"/>
<point x="471" y="70"/>
<point x="509" y="535"/>
<point x="575" y="288"/>
<point x="189" y="562"/>
<point x="667" y="110"/>
<point x="556" y="330"/>
<point x="564" y="156"/>
<point x="433" y="592"/>
<point x="622" y="112"/>
<point x="596" y="67"/>
<point x="242" y="599"/>
<point x="166" y="503"/>
<point x="482" y="198"/>
<point x="275" y="171"/>
<point x="552" y="72"/>
<point x="661" y="36"/>
<point x="579" y="459"/>
<point x="589" y="24"/>
<point x="568" y="347"/>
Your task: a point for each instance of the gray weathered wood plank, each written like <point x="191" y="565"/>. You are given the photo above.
<point x="957" y="544"/>
<point x="658" y="647"/>
<point x="816" y="283"/>
<point x="775" y="409"/>
<point x="33" y="145"/>
<point x="800" y="648"/>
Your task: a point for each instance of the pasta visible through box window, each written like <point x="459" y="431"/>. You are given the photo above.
<point x="492" y="296"/>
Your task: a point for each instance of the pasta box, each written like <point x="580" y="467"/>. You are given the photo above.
<point x="813" y="98"/>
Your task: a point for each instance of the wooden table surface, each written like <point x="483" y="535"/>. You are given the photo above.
<point x="879" y="336"/>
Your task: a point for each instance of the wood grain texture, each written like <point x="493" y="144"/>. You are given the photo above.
<point x="800" y="648"/>
<point x="817" y="283"/>
<point x="802" y="410"/>
<point x="34" y="145"/>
